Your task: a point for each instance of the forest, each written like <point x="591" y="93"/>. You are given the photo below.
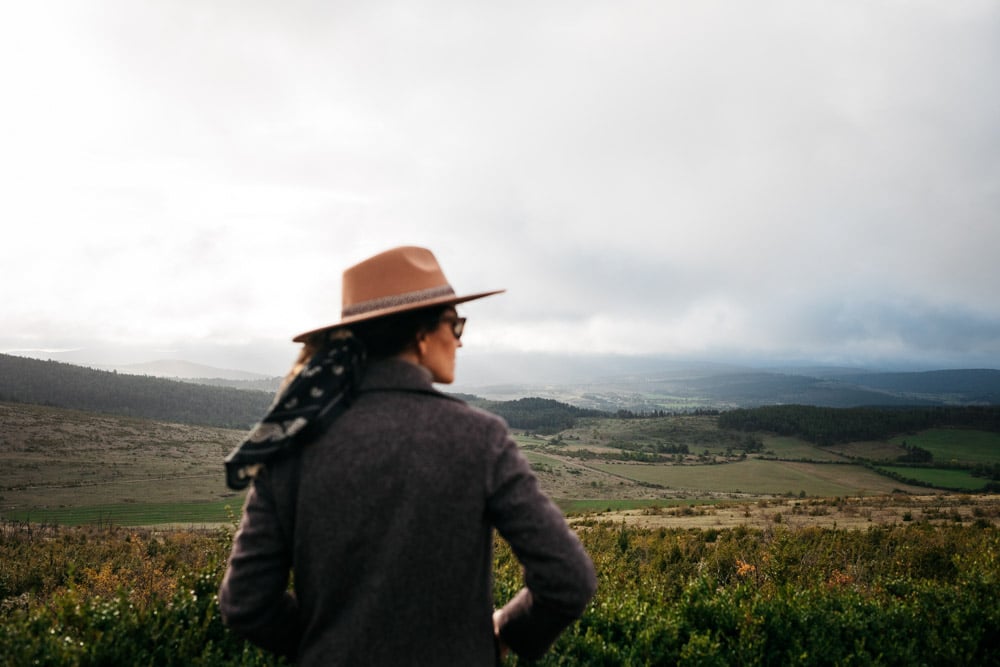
<point x="541" y="415"/>
<point x="828" y="426"/>
<point x="58" y="384"/>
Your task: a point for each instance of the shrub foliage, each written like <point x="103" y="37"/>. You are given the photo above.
<point x="892" y="595"/>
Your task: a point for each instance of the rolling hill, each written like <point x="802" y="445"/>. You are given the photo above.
<point x="58" y="384"/>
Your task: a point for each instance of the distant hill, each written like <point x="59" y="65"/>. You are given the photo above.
<point x="240" y="403"/>
<point x="187" y="371"/>
<point x="269" y="385"/>
<point x="762" y="388"/>
<point x="959" y="386"/>
<point x="184" y="370"/>
<point x="65" y="385"/>
<point x="742" y="388"/>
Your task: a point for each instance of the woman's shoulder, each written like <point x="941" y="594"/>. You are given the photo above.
<point x="458" y="411"/>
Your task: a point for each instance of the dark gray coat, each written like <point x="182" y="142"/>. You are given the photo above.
<point x="387" y="521"/>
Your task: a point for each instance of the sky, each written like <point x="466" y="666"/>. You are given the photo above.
<point x="794" y="181"/>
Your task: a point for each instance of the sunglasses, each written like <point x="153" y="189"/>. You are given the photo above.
<point x="457" y="325"/>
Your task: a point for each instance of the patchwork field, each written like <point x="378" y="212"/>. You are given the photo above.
<point x="70" y="467"/>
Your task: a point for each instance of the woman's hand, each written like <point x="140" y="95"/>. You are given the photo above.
<point x="497" y="622"/>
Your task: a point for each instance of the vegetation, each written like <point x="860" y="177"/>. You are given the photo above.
<point x="542" y="415"/>
<point x="890" y="595"/>
<point x="52" y="383"/>
<point x="78" y="467"/>
<point x="949" y="480"/>
<point x="68" y="466"/>
<point x="746" y="581"/>
<point x="826" y="426"/>
<point x="65" y="385"/>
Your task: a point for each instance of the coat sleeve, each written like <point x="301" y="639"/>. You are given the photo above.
<point x="254" y="598"/>
<point x="558" y="574"/>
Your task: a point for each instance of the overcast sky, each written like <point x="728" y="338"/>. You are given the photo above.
<point x="764" y="180"/>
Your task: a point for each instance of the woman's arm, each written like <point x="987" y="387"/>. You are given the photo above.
<point x="254" y="597"/>
<point x="559" y="575"/>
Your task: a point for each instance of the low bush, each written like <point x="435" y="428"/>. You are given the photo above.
<point x="892" y="595"/>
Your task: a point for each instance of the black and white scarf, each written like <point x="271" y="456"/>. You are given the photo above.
<point x="315" y="397"/>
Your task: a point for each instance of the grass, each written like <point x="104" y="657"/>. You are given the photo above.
<point x="71" y="467"/>
<point x="758" y="476"/>
<point x="958" y="445"/>
<point x="581" y="505"/>
<point x="939" y="477"/>
<point x="785" y="447"/>
<point x="137" y="514"/>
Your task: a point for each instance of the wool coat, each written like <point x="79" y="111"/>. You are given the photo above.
<point x="387" y="521"/>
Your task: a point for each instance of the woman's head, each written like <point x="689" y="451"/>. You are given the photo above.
<point x="399" y="304"/>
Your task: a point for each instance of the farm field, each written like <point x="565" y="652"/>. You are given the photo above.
<point x="71" y="467"/>
<point x="958" y="445"/>
<point x="757" y="476"/>
<point x="940" y="477"/>
<point x="784" y="447"/>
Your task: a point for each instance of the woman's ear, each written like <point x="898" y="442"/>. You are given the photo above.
<point x="421" y="344"/>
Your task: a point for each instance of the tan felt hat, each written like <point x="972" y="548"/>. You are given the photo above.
<point x="394" y="281"/>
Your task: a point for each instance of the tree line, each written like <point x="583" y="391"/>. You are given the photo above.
<point x="541" y="415"/>
<point x="828" y="426"/>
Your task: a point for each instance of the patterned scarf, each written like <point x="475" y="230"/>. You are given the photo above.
<point x="316" y="396"/>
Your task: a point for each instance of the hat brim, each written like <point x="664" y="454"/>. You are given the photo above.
<point x="382" y="312"/>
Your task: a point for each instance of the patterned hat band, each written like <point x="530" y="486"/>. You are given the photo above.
<point x="396" y="300"/>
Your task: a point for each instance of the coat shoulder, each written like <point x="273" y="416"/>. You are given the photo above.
<point x="471" y="415"/>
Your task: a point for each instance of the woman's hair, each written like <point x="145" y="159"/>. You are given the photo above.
<point x="383" y="337"/>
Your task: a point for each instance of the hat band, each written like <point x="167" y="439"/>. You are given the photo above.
<point x="395" y="300"/>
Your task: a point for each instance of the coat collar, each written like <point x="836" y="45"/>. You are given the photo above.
<point x="397" y="374"/>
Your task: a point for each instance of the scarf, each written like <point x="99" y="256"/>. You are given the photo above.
<point x="319" y="393"/>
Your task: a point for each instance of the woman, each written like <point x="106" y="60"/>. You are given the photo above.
<point x="385" y="510"/>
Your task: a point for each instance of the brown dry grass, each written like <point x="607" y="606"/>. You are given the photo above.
<point x="847" y="513"/>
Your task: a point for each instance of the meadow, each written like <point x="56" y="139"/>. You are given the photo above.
<point x="955" y="446"/>
<point x="73" y="467"/>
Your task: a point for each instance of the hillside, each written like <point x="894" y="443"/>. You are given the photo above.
<point x="238" y="404"/>
<point x="971" y="386"/>
<point x="65" y="385"/>
<point x="692" y="388"/>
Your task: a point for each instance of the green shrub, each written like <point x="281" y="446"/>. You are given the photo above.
<point x="896" y="595"/>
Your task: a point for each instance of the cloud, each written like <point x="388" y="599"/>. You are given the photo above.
<point x="679" y="178"/>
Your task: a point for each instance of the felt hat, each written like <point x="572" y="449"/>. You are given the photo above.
<point x="394" y="281"/>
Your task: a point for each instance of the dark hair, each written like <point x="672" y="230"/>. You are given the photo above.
<point x="387" y="336"/>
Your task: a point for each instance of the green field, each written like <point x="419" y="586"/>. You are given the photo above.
<point x="939" y="477"/>
<point x="958" y="445"/>
<point x="784" y="447"/>
<point x="758" y="476"/>
<point x="133" y="514"/>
